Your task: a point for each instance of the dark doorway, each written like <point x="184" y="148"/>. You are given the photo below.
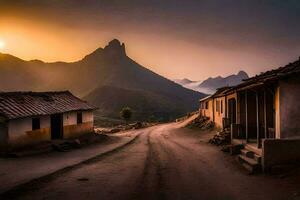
<point x="3" y="134"/>
<point x="232" y="111"/>
<point x="56" y="126"/>
<point x="36" y="123"/>
<point x="252" y="116"/>
<point x="79" y="118"/>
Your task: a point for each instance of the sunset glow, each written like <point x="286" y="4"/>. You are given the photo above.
<point x="205" y="45"/>
<point x="150" y="99"/>
<point x="2" y="44"/>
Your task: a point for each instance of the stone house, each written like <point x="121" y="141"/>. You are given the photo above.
<point x="28" y="118"/>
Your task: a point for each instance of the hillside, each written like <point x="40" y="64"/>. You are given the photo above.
<point x="108" y="78"/>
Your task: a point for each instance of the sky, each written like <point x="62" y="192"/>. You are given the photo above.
<point x="193" y="39"/>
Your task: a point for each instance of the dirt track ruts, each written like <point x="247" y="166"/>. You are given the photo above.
<point x="164" y="162"/>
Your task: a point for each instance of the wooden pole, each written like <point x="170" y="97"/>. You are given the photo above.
<point x="226" y="106"/>
<point x="246" y="110"/>
<point x="257" y="119"/>
<point x="265" y="113"/>
<point x="213" y="107"/>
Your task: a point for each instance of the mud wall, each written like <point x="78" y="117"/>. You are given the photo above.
<point x="20" y="131"/>
<point x="3" y="132"/>
<point x="72" y="129"/>
<point x="290" y="107"/>
<point x="208" y="112"/>
<point x="280" y="151"/>
<point x="220" y="114"/>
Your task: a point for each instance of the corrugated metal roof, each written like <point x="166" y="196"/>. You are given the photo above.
<point x="23" y="104"/>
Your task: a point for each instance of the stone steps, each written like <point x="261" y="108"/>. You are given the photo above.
<point x="247" y="153"/>
<point x="250" y="161"/>
<point x="235" y="149"/>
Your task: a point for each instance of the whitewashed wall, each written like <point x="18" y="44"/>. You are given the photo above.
<point x="87" y="116"/>
<point x="19" y="130"/>
<point x="70" y="118"/>
<point x="18" y="127"/>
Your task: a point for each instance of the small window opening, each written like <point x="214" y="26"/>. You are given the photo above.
<point x="79" y="118"/>
<point x="36" y="124"/>
<point x="221" y="106"/>
<point x="217" y="106"/>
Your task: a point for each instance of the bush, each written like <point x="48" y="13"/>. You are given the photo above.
<point x="126" y="113"/>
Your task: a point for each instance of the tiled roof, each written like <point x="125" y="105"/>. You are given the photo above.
<point x="291" y="68"/>
<point x="220" y="92"/>
<point x="281" y="72"/>
<point x="205" y="98"/>
<point x="23" y="104"/>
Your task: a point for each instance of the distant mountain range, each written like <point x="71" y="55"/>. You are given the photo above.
<point x="107" y="78"/>
<point x="210" y="85"/>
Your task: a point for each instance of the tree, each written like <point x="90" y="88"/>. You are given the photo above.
<point x="126" y="113"/>
<point x="152" y="118"/>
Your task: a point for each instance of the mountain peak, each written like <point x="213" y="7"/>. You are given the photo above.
<point x="243" y="74"/>
<point x="114" y="42"/>
<point x="115" y="48"/>
<point x="8" y="57"/>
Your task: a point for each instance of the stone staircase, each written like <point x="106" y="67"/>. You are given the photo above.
<point x="250" y="160"/>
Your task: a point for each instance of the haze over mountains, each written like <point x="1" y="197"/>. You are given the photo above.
<point x="210" y="85"/>
<point x="107" y="78"/>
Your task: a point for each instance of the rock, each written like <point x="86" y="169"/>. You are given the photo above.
<point x="115" y="130"/>
<point x="201" y="122"/>
<point x="76" y="143"/>
<point x="221" y="138"/>
<point x="138" y="125"/>
<point x="225" y="148"/>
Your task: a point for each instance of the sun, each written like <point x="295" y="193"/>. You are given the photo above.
<point x="2" y="44"/>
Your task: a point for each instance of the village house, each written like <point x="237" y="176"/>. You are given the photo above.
<point x="219" y="108"/>
<point x="263" y="114"/>
<point x="28" y="118"/>
<point x="206" y="107"/>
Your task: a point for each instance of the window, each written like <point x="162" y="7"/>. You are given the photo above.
<point x="221" y="106"/>
<point x="79" y="118"/>
<point x="206" y="105"/>
<point x="36" y="124"/>
<point x="217" y="106"/>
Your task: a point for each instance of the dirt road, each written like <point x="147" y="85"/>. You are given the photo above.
<point x="165" y="162"/>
